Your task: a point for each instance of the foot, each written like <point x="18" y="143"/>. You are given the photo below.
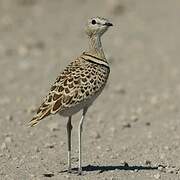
<point x="80" y="171"/>
<point x="69" y="170"/>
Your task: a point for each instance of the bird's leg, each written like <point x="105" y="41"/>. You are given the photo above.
<point x="79" y="135"/>
<point x="69" y="128"/>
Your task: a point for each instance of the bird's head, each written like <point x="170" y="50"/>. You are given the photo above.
<point x="97" y="26"/>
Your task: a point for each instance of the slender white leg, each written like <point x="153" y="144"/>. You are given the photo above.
<point x="69" y="128"/>
<point x="79" y="135"/>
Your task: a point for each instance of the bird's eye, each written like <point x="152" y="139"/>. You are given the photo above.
<point x="93" y="22"/>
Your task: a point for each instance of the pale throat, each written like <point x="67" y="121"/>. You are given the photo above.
<point x="95" y="46"/>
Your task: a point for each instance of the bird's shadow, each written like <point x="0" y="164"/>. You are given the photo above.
<point x="101" y="169"/>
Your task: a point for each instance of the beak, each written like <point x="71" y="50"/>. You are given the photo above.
<point x="108" y="24"/>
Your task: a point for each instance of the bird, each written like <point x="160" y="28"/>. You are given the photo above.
<point x="78" y="85"/>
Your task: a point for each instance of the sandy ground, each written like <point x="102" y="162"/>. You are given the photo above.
<point x="132" y="131"/>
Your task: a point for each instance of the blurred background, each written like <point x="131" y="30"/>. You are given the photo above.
<point x="135" y="122"/>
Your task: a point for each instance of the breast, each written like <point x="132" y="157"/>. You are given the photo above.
<point x="91" y="81"/>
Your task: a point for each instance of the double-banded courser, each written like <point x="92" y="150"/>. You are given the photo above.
<point x="79" y="84"/>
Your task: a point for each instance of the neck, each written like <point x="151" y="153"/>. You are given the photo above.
<point x="95" y="46"/>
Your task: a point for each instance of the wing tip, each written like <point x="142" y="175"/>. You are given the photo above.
<point x="33" y="122"/>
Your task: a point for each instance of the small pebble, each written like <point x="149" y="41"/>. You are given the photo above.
<point x="154" y="100"/>
<point x="40" y="45"/>
<point x="134" y="118"/>
<point x="9" y="117"/>
<point x="14" y="158"/>
<point x="3" y="146"/>
<point x="147" y="123"/>
<point x="32" y="175"/>
<point x="113" y="131"/>
<point x="108" y="149"/>
<point x="96" y="135"/>
<point x="120" y="90"/>
<point x="23" y="50"/>
<point x="113" y="157"/>
<point x="47" y="145"/>
<point x="157" y="176"/>
<point x="162" y="156"/>
<point x="53" y="126"/>
<point x="148" y="162"/>
<point x="126" y="125"/>
<point x="124" y="148"/>
<point x="150" y="135"/>
<point x="166" y="148"/>
<point x="8" y="139"/>
<point x="32" y="109"/>
<point x="67" y="176"/>
<point x="75" y="159"/>
<point x="170" y="170"/>
<point x="9" y="156"/>
<point x="62" y="143"/>
<point x="97" y="157"/>
<point x="36" y="149"/>
<point x="160" y="168"/>
<point x="21" y="161"/>
<point x="139" y="110"/>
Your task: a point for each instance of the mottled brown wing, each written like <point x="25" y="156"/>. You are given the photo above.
<point x="79" y="81"/>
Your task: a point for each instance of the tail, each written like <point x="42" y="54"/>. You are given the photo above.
<point x="48" y="107"/>
<point x="41" y="113"/>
